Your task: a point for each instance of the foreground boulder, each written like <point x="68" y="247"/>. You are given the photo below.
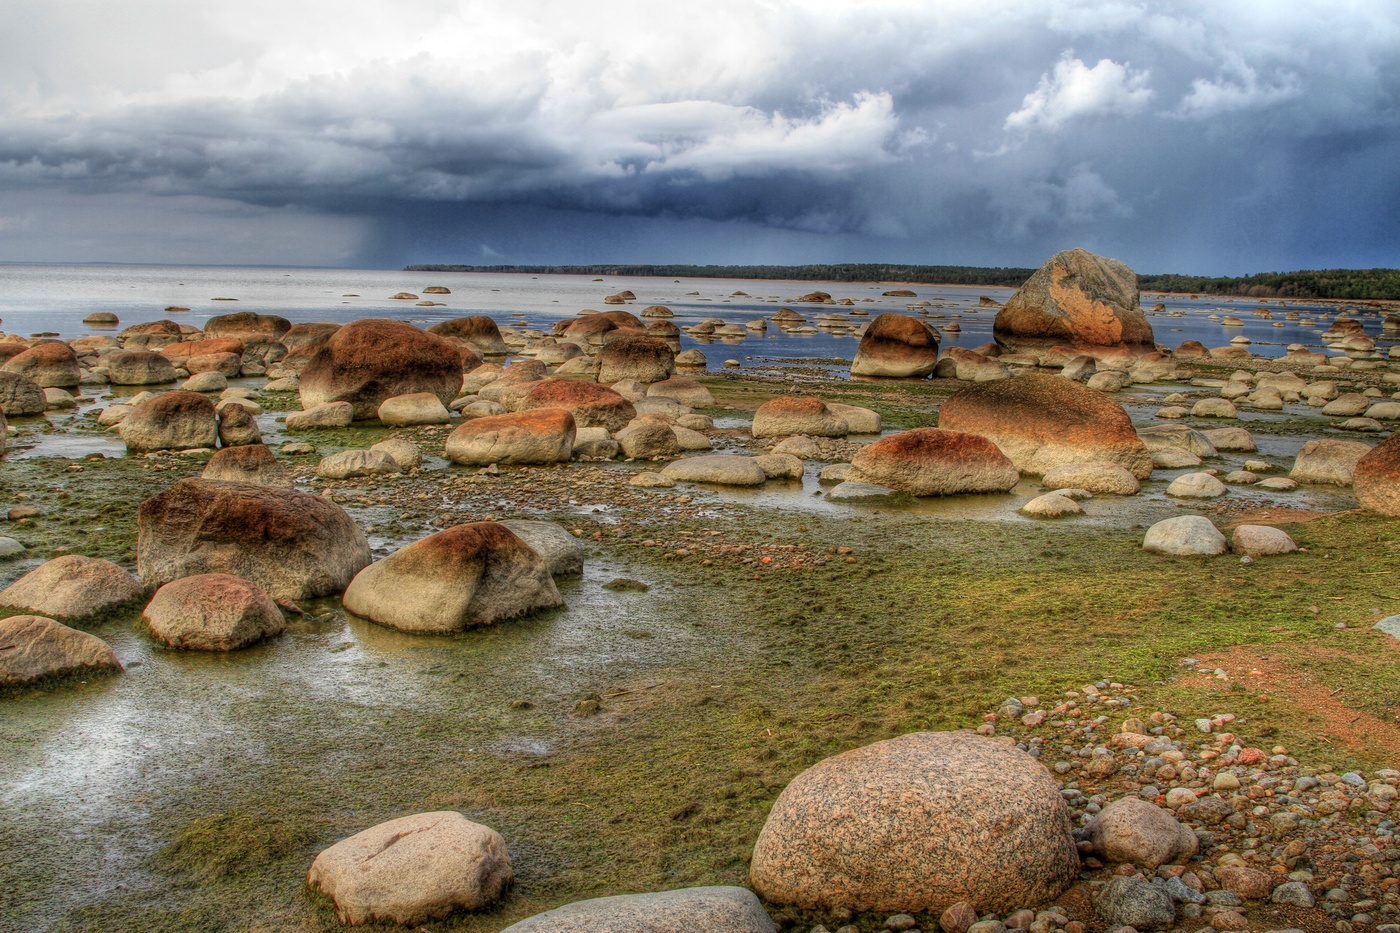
<point x="1185" y="535"/>
<point x="366" y="362"/>
<point x="33" y="648"/>
<point x="177" y="420"/>
<point x="1077" y="300"/>
<point x="786" y="416"/>
<point x="1041" y="422"/>
<point x="212" y="612"/>
<point x="466" y="576"/>
<point x="592" y="405"/>
<point x="688" y="910"/>
<point x="72" y="587"/>
<point x="917" y="824"/>
<point x="51" y="364"/>
<point x="138" y="368"/>
<point x="293" y="544"/>
<point x="896" y="346"/>
<point x="934" y="462"/>
<point x="414" y="869"/>
<point x="1134" y="831"/>
<point x="1329" y="462"/>
<point x="20" y="395"/>
<point x="1376" y="477"/>
<point x="542" y="435"/>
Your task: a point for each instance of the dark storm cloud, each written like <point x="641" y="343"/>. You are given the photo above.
<point x="1205" y="139"/>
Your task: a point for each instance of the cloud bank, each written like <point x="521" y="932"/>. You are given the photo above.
<point x="1206" y="138"/>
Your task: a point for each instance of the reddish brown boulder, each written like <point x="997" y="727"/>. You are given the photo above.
<point x="1191" y="350"/>
<point x="310" y="334"/>
<point x="247" y="324"/>
<point x="252" y="463"/>
<point x="469" y="575"/>
<point x="212" y="612"/>
<point x="1041" y="422"/>
<point x="1376" y="477"/>
<point x="368" y="361"/>
<point x="51" y="364"/>
<point x="645" y="359"/>
<point x="9" y="349"/>
<point x="177" y="420"/>
<point x="542" y="435"/>
<point x="228" y="365"/>
<point x="478" y="330"/>
<point x="934" y="462"/>
<point x="150" y="335"/>
<point x="34" y="648"/>
<point x="786" y="416"/>
<point x="898" y="346"/>
<point x="293" y="544"/>
<point x="592" y="405"/>
<point x="72" y="587"/>
<point x="138" y="368"/>
<point x="596" y="329"/>
<point x="177" y="353"/>
<point x="1085" y="301"/>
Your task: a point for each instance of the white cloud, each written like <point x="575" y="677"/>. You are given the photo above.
<point x="1075" y="90"/>
<point x="1241" y="91"/>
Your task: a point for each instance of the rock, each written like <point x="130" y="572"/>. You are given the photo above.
<point x="1197" y="486"/>
<point x="1051" y="505"/>
<point x="150" y="335"/>
<point x="179" y="354"/>
<point x="691" y="360"/>
<point x="205" y="382"/>
<point x="413" y="869"/>
<point x="686" y="391"/>
<point x="1135" y="903"/>
<point x="646" y="359"/>
<point x="1347" y="406"/>
<point x="33" y="648"/>
<point x="687" y="910"/>
<point x="415" y="408"/>
<point x="858" y="420"/>
<point x="722" y="469"/>
<point x="1294" y="894"/>
<point x="1140" y="833"/>
<point x="562" y="552"/>
<point x="896" y="346"/>
<point x="1261" y="541"/>
<point x="246" y="325"/>
<point x="1174" y="458"/>
<point x="1231" y="439"/>
<point x="478" y="330"/>
<point x="868" y="493"/>
<point x="320" y="417"/>
<point x="253" y="463"/>
<point x="934" y="462"/>
<point x="1328" y="461"/>
<point x="293" y="544"/>
<point x="691" y="440"/>
<point x="212" y="612"/>
<point x="959" y="918"/>
<point x="49" y="364"/>
<point x="237" y="426"/>
<point x="72" y="587"/>
<point x="1376" y="477"/>
<point x="58" y="400"/>
<point x="781" y="466"/>
<point x="1076" y="299"/>
<point x="1214" y="408"/>
<point x="1041" y="422"/>
<point x="403" y="451"/>
<point x="648" y="439"/>
<point x="648" y="480"/>
<point x="228" y="365"/>
<point x="788" y="415"/>
<point x="1180" y="437"/>
<point x="916" y="824"/>
<point x="20" y="395"/>
<point x="1098" y="478"/>
<point x="1185" y="535"/>
<point x="349" y="463"/>
<point x="138" y="368"/>
<point x="469" y="575"/>
<point x="1249" y="883"/>
<point x="1368" y="425"/>
<point x="175" y="420"/>
<point x="1278" y="484"/>
<point x="592" y="405"/>
<point x="594" y="444"/>
<point x="9" y="547"/>
<point x="368" y="361"/>
<point x="101" y="319"/>
<point x="541" y="435"/>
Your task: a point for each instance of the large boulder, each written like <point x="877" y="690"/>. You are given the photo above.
<point x="1328" y="461"/>
<point x="1376" y="477"/>
<point x="20" y="395"/>
<point x="138" y="368"/>
<point x="1078" y="300"/>
<point x="237" y="426"/>
<point x="51" y="364"/>
<point x="1041" y="422"/>
<point x="1140" y="833"/>
<point x="645" y="359"/>
<point x="897" y="346"/>
<point x="212" y="612"/>
<point x="466" y="576"/>
<point x="934" y="462"/>
<point x="72" y="587"/>
<point x="788" y="415"/>
<point x="253" y="463"/>
<point x="177" y="420"/>
<point x="541" y="435"/>
<point x="1184" y="536"/>
<point x="313" y="333"/>
<point x="721" y="469"/>
<point x="413" y="870"/>
<point x="477" y="329"/>
<point x="917" y="824"/>
<point x="180" y="353"/>
<point x="246" y="325"/>
<point x="150" y="335"/>
<point x="368" y="361"/>
<point x="33" y="648"/>
<point x="688" y="910"/>
<point x="592" y="405"/>
<point x="293" y="544"/>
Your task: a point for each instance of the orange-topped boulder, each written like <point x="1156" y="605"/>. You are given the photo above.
<point x="786" y="416"/>
<point x="478" y="330"/>
<point x="177" y="353"/>
<point x="1376" y="478"/>
<point x="541" y="435"/>
<point x="934" y="462"/>
<point x="1078" y="299"/>
<point x="592" y="405"/>
<point x="244" y="325"/>
<point x="896" y="346"/>
<point x="1041" y="422"/>
<point x="150" y="335"/>
<point x="368" y="361"/>
<point x="51" y="364"/>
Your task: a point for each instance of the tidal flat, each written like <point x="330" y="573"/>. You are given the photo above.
<point x="636" y="739"/>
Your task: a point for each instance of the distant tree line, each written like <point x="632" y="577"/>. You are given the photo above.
<point x="1343" y="284"/>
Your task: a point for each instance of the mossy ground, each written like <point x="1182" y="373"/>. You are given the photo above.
<point x="716" y="686"/>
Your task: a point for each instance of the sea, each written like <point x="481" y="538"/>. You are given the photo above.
<point x="54" y="299"/>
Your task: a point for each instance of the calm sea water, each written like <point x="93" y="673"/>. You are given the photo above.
<point x="55" y="299"/>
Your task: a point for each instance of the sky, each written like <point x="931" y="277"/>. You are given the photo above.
<point x="1194" y="136"/>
